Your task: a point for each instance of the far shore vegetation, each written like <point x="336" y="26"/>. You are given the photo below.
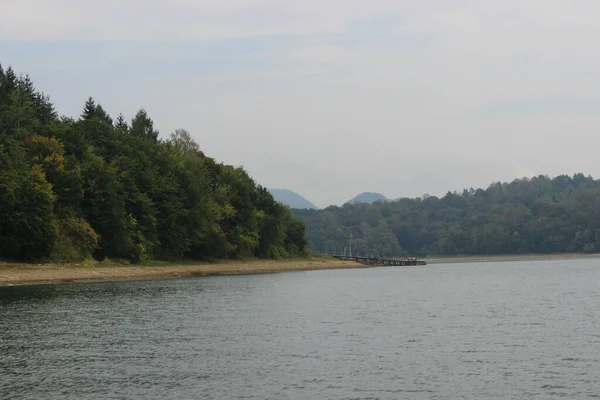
<point x="539" y="215"/>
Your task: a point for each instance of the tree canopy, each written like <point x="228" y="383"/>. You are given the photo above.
<point x="94" y="187"/>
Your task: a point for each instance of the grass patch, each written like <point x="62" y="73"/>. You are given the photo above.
<point x="157" y="263"/>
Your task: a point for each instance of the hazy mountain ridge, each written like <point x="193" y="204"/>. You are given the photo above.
<point x="367" y="197"/>
<point x="292" y="199"/>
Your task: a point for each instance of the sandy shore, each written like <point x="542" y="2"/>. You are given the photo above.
<point x="37" y="274"/>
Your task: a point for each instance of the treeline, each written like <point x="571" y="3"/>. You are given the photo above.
<point x="539" y="215"/>
<point x="97" y="187"/>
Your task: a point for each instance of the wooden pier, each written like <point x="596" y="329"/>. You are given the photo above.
<point x="400" y="262"/>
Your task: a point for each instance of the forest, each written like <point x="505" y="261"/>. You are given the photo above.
<point x="538" y="215"/>
<point x="93" y="187"/>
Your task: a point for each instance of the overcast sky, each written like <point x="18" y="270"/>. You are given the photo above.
<point x="330" y="98"/>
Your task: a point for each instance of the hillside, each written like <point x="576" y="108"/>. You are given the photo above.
<point x="367" y="197"/>
<point x="539" y="215"/>
<point x="94" y="186"/>
<point x="291" y="199"/>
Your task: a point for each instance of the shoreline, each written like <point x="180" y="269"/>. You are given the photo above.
<point x="15" y="274"/>
<point x="45" y="274"/>
<point x="507" y="258"/>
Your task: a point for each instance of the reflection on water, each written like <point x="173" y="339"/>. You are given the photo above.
<point x="472" y="331"/>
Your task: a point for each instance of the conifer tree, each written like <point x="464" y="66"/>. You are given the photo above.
<point x="89" y="109"/>
<point x="142" y="126"/>
<point x="11" y="78"/>
<point x="103" y="115"/>
<point x="121" y="124"/>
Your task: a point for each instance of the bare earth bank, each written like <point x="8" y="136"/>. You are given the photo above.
<point x="36" y="274"/>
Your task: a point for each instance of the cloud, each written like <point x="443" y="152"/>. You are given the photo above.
<point x="179" y="19"/>
<point x="334" y="97"/>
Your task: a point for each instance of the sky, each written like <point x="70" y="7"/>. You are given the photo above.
<point x="331" y="98"/>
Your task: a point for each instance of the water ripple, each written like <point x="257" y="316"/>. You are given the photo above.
<point x="439" y="332"/>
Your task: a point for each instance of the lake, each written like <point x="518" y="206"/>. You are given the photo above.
<point x="510" y="330"/>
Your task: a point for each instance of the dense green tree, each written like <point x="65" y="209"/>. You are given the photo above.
<point x="72" y="189"/>
<point x="28" y="227"/>
<point x="183" y="143"/>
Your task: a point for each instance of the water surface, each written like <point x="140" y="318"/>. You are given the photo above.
<point x="510" y="330"/>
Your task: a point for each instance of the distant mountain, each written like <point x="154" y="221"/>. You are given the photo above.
<point x="367" y="197"/>
<point x="292" y="199"/>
